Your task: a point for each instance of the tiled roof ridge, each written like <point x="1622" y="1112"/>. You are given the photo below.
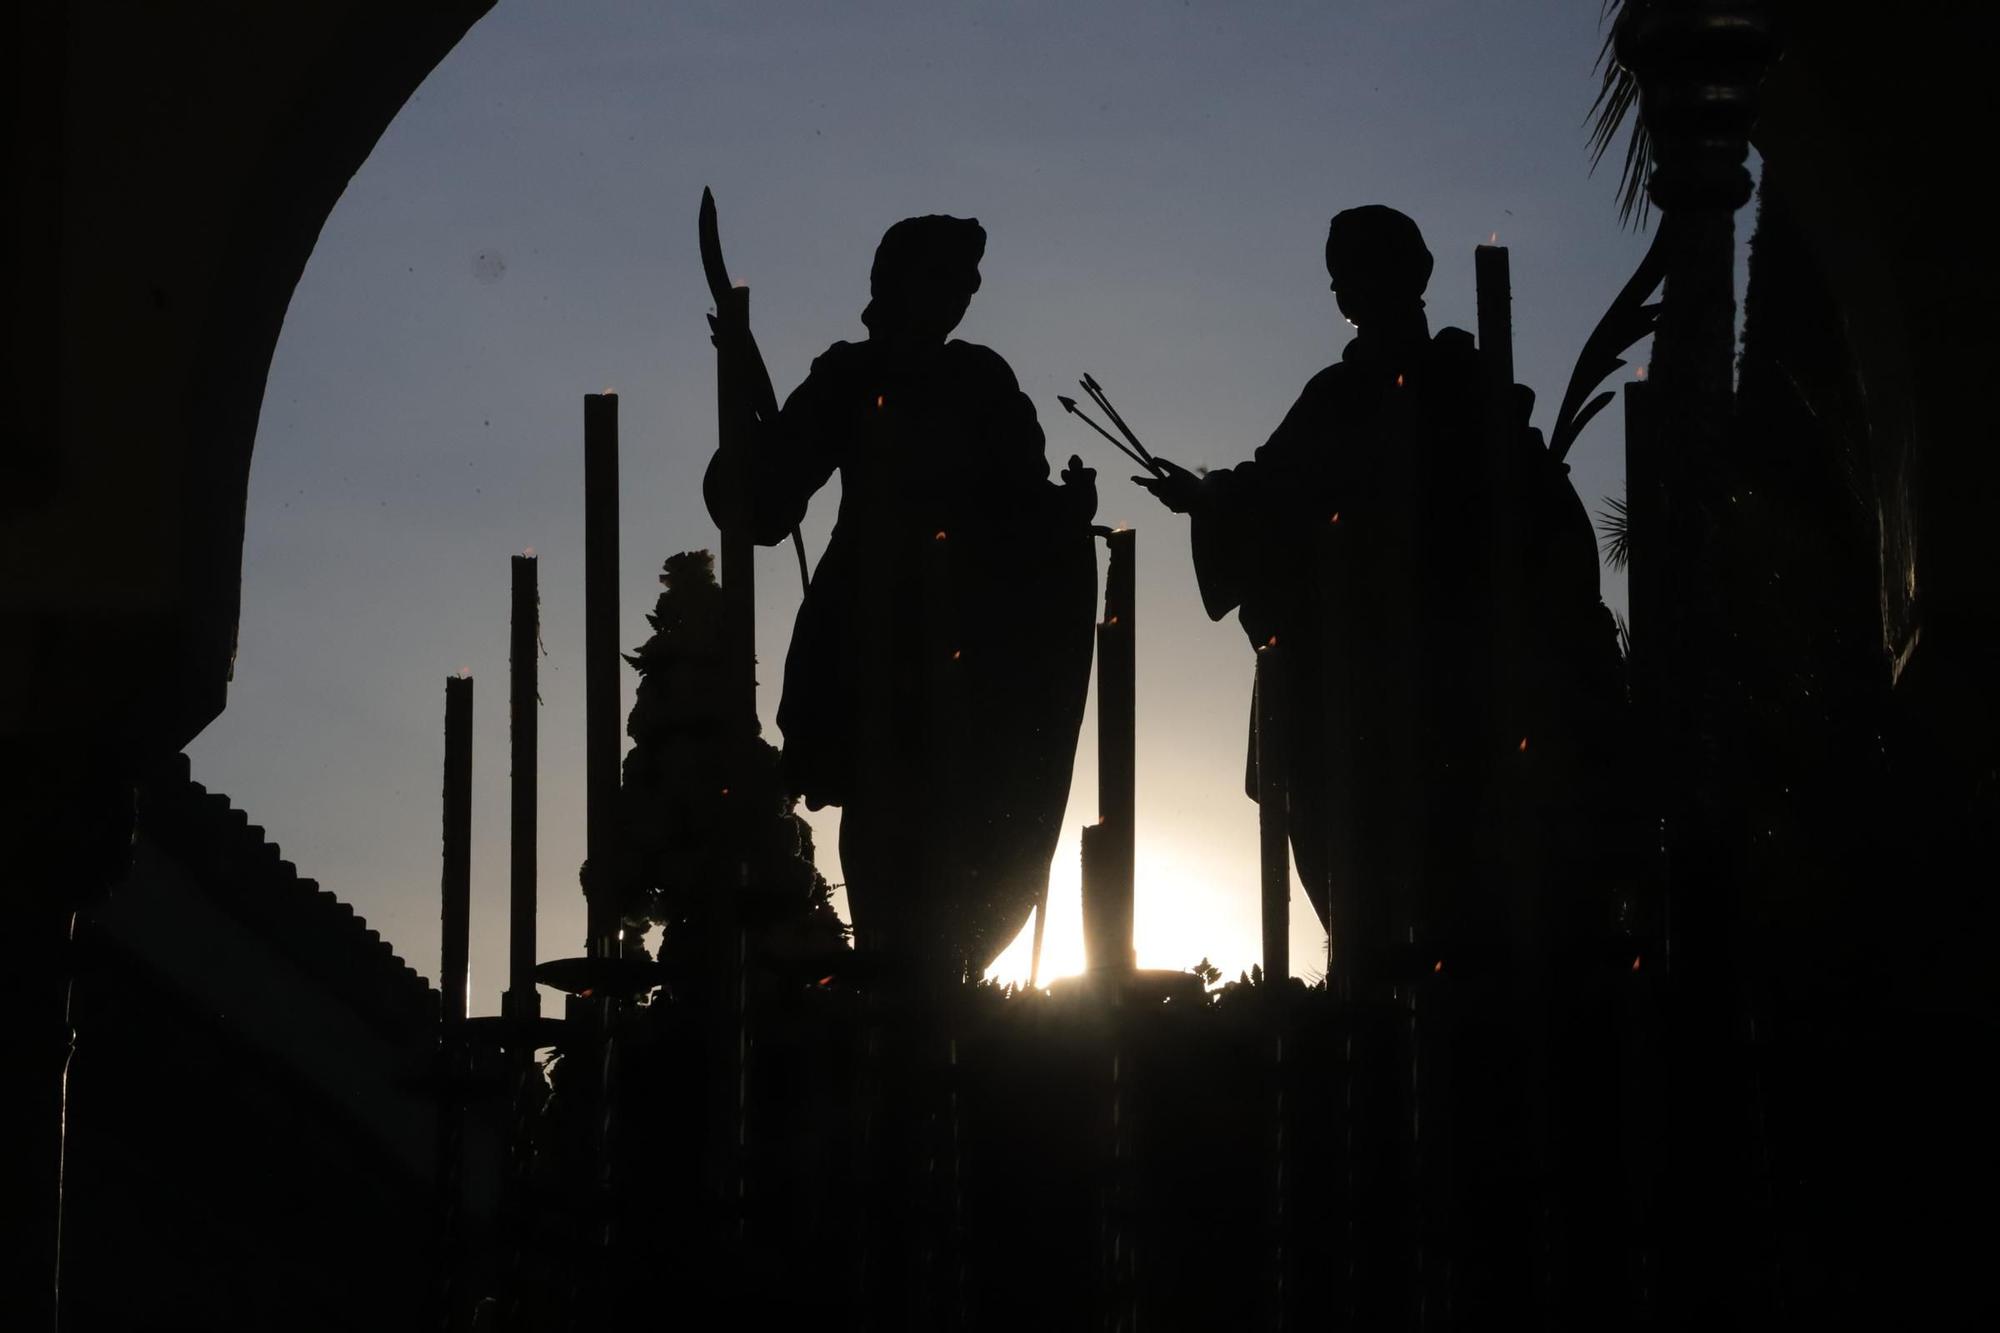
<point x="244" y="873"/>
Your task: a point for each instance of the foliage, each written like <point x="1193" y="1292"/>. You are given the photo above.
<point x="705" y="822"/>
<point x="1617" y="96"/>
<point x="1614" y="523"/>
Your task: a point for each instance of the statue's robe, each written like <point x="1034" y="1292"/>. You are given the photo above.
<point x="939" y="663"/>
<point x="1391" y="441"/>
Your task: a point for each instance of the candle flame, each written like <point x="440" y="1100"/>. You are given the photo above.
<point x="1335" y="518"/>
<point x="826" y="980"/>
<point x="878" y="400"/>
<point x="954" y="654"/>
<point x="1399" y="381"/>
<point x="465" y="673"/>
<point x="1273" y="642"/>
<point x="1524" y="745"/>
<point x="1111" y="620"/>
<point x="940" y="536"/>
<point x="610" y="393"/>
<point x="1493" y="238"/>
<point x="528" y="551"/>
<point x="1635" y="962"/>
<point x="1642" y="372"/>
<point x="1438" y="966"/>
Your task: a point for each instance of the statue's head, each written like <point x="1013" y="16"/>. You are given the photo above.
<point x="1378" y="263"/>
<point x="926" y="270"/>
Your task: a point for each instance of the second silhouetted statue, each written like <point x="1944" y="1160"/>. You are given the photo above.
<point x="939" y="664"/>
<point x="1390" y="445"/>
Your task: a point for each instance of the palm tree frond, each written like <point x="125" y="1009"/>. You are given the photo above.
<point x="1613" y="524"/>
<point x="1616" y="102"/>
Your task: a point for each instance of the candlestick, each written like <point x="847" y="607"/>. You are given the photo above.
<point x="524" y="650"/>
<point x="601" y="720"/>
<point x="1274" y="858"/>
<point x="454" y="970"/>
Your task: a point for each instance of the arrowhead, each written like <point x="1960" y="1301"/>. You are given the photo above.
<point x="1069" y="404"/>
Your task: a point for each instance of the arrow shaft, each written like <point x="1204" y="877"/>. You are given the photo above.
<point x="1116" y="443"/>
<point x="1097" y="395"/>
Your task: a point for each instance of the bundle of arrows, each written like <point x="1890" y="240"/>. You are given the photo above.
<point x="1129" y="446"/>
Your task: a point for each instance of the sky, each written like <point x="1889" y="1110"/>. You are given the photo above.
<point x="1155" y="181"/>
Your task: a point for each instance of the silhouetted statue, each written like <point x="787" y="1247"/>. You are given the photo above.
<point x="939" y="663"/>
<point x="1390" y="441"/>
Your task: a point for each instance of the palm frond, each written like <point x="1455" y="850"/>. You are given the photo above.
<point x="1612" y="523"/>
<point x="1617" y="101"/>
<point x="1629" y="319"/>
<point x="1624" y="637"/>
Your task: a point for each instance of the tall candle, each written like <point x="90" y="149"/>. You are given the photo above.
<point x="1501" y="450"/>
<point x="1117" y="723"/>
<point x="1341" y="824"/>
<point x="601" y="718"/>
<point x="524" y="650"/>
<point x="1107" y="910"/>
<point x="1494" y="290"/>
<point x="1274" y="853"/>
<point x="454" y="970"/>
<point x="735" y="428"/>
<point x="943" y="713"/>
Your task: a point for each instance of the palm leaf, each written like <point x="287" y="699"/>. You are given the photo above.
<point x="1629" y="319"/>
<point x="1617" y="97"/>
<point x="1615" y="527"/>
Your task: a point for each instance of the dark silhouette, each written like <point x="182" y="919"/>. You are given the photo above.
<point x="939" y="663"/>
<point x="707" y="839"/>
<point x="1386" y="446"/>
<point x="231" y="1083"/>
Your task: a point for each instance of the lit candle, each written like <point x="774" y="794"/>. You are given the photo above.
<point x="1337" y="626"/>
<point x="1274" y="854"/>
<point x="1107" y="908"/>
<point x="524" y="649"/>
<point x="601" y="720"/>
<point x="454" y="971"/>
<point x="1494" y="289"/>
<point x="1117" y="730"/>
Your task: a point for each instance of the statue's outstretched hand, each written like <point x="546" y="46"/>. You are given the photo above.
<point x="1080" y="487"/>
<point x="1176" y="487"/>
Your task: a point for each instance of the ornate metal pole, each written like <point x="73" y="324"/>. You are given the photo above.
<point x="1699" y="63"/>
